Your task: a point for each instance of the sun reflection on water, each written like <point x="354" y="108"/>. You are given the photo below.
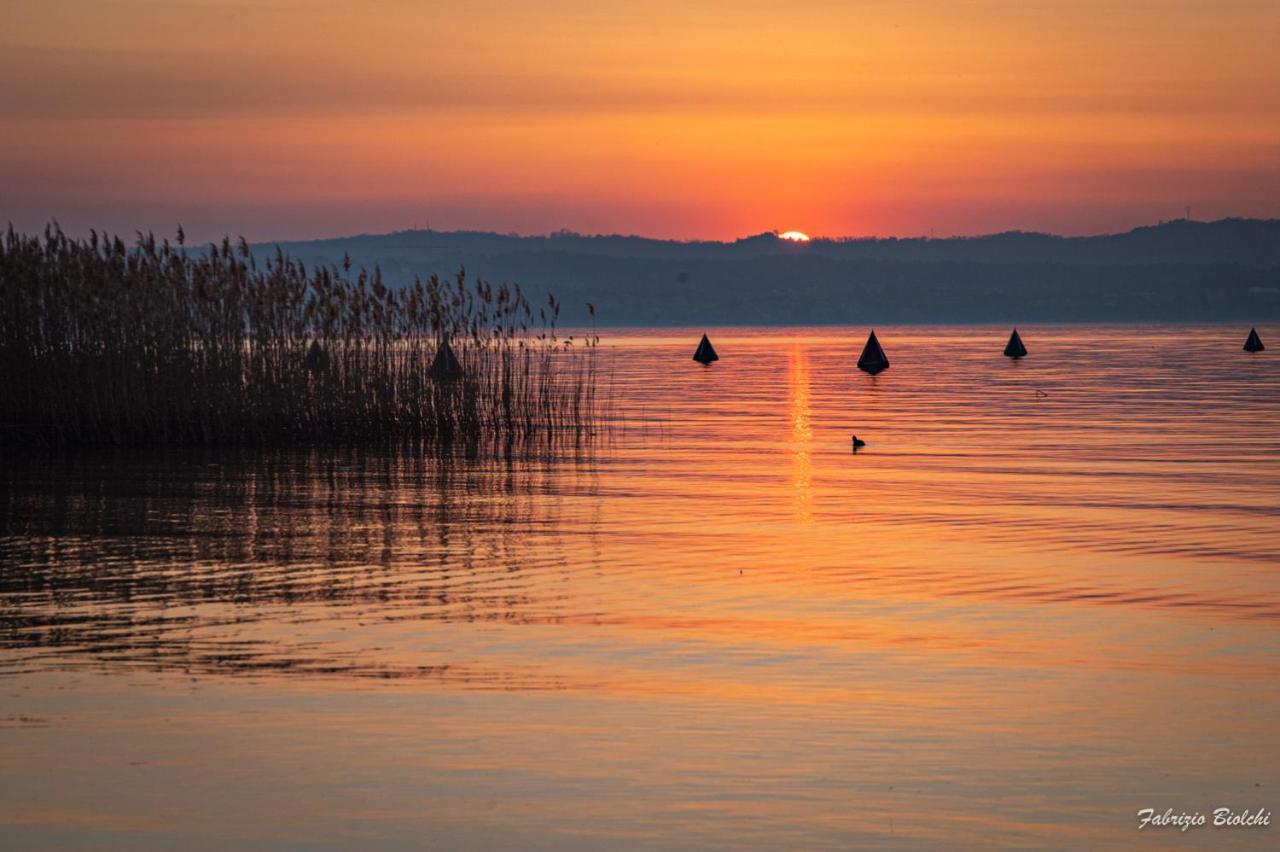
<point x="799" y="408"/>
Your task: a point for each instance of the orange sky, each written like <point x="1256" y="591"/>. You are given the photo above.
<point x="297" y="118"/>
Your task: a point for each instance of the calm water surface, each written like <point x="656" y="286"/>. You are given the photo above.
<point x="1044" y="596"/>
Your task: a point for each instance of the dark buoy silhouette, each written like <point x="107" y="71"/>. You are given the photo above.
<point x="873" y="359"/>
<point x="1254" y="343"/>
<point x="317" y="360"/>
<point x="705" y="353"/>
<point x="445" y="367"/>
<point x="1014" y="348"/>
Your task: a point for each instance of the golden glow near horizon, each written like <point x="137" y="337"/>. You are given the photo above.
<point x="672" y="119"/>
<point x="794" y="236"/>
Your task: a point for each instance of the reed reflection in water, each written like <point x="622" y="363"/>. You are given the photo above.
<point x="1041" y="598"/>
<point x="219" y="566"/>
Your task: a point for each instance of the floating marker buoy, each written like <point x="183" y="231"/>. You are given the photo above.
<point x="1254" y="343"/>
<point x="317" y="360"/>
<point x="873" y="359"/>
<point x="1014" y="348"/>
<point x="705" y="353"/>
<point x="445" y="367"/>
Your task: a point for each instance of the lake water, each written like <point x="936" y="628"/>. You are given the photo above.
<point x="1043" y="597"/>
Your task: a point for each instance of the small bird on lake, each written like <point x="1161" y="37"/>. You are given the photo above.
<point x="858" y="442"/>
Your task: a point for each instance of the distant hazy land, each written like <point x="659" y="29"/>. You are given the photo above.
<point x="1180" y="270"/>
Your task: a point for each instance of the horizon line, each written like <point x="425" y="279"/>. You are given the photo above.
<point x="568" y="233"/>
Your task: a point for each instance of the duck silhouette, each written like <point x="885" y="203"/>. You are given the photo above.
<point x="858" y="442"/>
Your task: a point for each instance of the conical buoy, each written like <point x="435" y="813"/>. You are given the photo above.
<point x="1014" y="348"/>
<point x="873" y="359"/>
<point x="445" y="367"/>
<point x="1254" y="343"/>
<point x="317" y="360"/>
<point x="705" y="353"/>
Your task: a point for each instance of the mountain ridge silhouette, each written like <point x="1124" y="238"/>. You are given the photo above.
<point x="1174" y="271"/>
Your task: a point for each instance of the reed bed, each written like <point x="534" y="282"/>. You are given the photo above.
<point x="155" y="344"/>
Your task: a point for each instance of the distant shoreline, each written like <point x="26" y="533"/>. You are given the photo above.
<point x="1180" y="271"/>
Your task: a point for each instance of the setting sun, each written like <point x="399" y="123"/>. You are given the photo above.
<point x="794" y="236"/>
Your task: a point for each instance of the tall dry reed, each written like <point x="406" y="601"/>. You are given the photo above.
<point x="102" y="343"/>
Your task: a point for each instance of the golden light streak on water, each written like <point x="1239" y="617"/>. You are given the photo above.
<point x="801" y="448"/>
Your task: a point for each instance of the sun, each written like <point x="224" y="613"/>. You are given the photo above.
<point x="794" y="236"/>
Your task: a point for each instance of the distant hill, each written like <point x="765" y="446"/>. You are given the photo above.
<point x="1180" y="270"/>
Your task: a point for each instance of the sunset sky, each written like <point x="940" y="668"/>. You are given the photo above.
<point x="291" y="119"/>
